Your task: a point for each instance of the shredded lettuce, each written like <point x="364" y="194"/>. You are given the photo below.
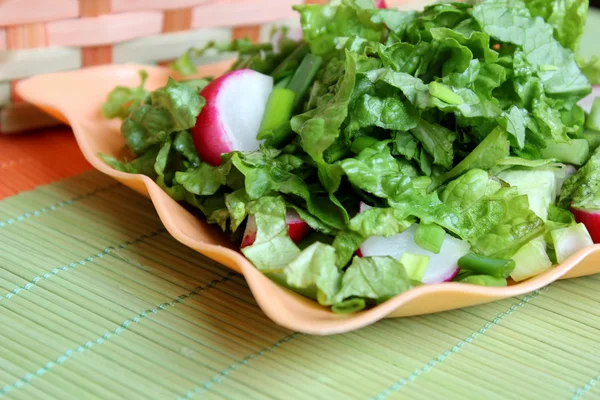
<point x="448" y="117"/>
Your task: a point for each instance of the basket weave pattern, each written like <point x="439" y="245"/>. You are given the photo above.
<point x="44" y="36"/>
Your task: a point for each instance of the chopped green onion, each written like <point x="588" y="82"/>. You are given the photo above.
<point x="361" y="143"/>
<point x="283" y="83"/>
<point x="279" y="136"/>
<point x="593" y="120"/>
<point x="487" y="265"/>
<point x="462" y="274"/>
<point x="444" y="93"/>
<point x="575" y="152"/>
<point x="430" y="237"/>
<point x="593" y="139"/>
<point x="335" y="152"/>
<point x="304" y="76"/>
<point x="275" y="126"/>
<point x="277" y="112"/>
<point x="290" y="63"/>
<point x="484" y="280"/>
<point x="415" y="265"/>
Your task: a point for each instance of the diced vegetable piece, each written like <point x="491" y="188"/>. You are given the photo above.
<point x="538" y="185"/>
<point x="235" y="104"/>
<point x="593" y="120"/>
<point x="576" y="152"/>
<point x="593" y="139"/>
<point x="430" y="237"/>
<point x="531" y="260"/>
<point x="568" y="241"/>
<point x="415" y="265"/>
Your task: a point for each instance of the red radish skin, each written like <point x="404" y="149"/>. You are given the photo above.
<point x="591" y="220"/>
<point x="454" y="274"/>
<point x="235" y="104"/>
<point x="380" y="4"/>
<point x="297" y="229"/>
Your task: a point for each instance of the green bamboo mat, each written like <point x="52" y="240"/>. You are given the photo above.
<point x="97" y="301"/>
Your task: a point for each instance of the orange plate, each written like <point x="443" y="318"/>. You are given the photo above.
<point x="76" y="97"/>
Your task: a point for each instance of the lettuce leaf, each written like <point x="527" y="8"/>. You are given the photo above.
<point x="373" y="278"/>
<point x="315" y="268"/>
<point x="567" y="18"/>
<point x="582" y="190"/>
<point x="173" y="108"/>
<point x="273" y="249"/>
<point x="264" y="176"/>
<point x="510" y="21"/>
<point x="495" y="220"/>
<point x="322" y="25"/>
<point x="122" y="99"/>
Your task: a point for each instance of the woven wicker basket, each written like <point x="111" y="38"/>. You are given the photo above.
<point x="43" y="36"/>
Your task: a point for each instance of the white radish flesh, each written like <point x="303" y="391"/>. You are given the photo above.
<point x="442" y="267"/>
<point x="235" y="104"/>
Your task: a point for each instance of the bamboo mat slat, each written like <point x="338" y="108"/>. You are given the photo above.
<point x="97" y="301"/>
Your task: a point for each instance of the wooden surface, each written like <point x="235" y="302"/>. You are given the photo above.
<point x="37" y="158"/>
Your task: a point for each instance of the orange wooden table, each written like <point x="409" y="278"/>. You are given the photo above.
<point x="37" y="158"/>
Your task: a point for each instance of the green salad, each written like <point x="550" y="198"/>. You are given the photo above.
<point x="377" y="150"/>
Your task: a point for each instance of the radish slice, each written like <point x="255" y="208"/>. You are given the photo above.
<point x="586" y="102"/>
<point x="443" y="267"/>
<point x="591" y="220"/>
<point x="235" y="104"/>
<point x="297" y="228"/>
<point x="380" y="4"/>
